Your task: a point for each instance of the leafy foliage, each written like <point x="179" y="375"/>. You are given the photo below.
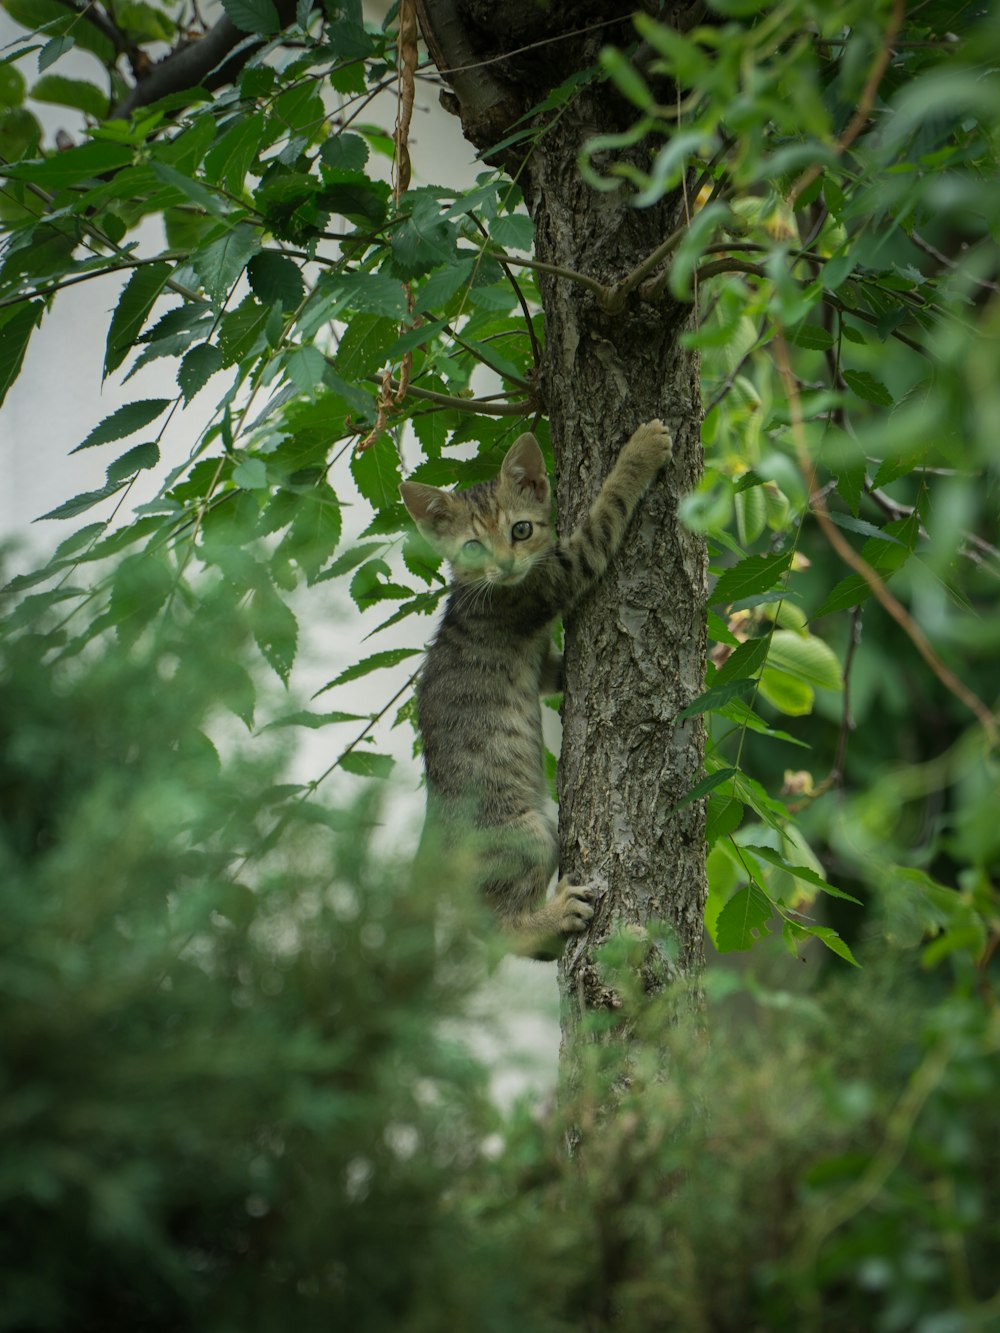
<point x="233" y="1102"/>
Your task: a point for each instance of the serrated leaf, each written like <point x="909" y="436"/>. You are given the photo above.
<point x="349" y="560"/>
<point x="807" y="658"/>
<point x="251" y="474"/>
<point x="423" y="240"/>
<point x="377" y="473"/>
<point x="514" y="231"/>
<point x="79" y="503"/>
<point x="305" y="367"/>
<point x="800" y="872"/>
<point x="826" y="935"/>
<point x="124" y="421"/>
<point x="137" y="459"/>
<point x="754" y="574"/>
<point x="275" y="629"/>
<point x="389" y="658"/>
<point x="314" y="532"/>
<point x="344" y="152"/>
<point x="88" y="161"/>
<point x="811" y="336"/>
<point x="53" y="49"/>
<point x="703" y="787"/>
<point x="866" y="386"/>
<point x="142" y="583"/>
<point x="715" y="698"/>
<point x="132" y="310"/>
<point x="437" y="290"/>
<point x="275" y="277"/>
<point x="197" y="368"/>
<point x="723" y="816"/>
<point x="15" y="334"/>
<point x="259" y="16"/>
<point x="220" y="263"/>
<point x="743" y="920"/>
<point x="850" y="591"/>
<point x="304" y="718"/>
<point x="744" y="662"/>
<point x="366" y="764"/>
<point x="374" y="293"/>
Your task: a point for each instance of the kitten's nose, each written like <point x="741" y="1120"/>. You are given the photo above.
<point x="507" y="566"/>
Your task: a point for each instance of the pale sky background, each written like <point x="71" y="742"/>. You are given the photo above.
<point x="59" y="398"/>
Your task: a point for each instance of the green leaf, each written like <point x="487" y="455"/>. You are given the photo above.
<point x="315" y="530"/>
<point x="136" y="459"/>
<point x="88" y="161"/>
<point x="377" y="473"/>
<point x="811" y="336"/>
<point x="251" y="474"/>
<point x="422" y="241"/>
<point x="275" y="629"/>
<point x="197" y="368"/>
<point x="305" y="367"/>
<point x="259" y="16"/>
<point x="142" y="584"/>
<point x="241" y="329"/>
<point x="715" y="698"/>
<point x="754" y="574"/>
<point x="53" y="49"/>
<point x="76" y="93"/>
<point x="800" y="872"/>
<point x="514" y="231"/>
<point x="807" y="658"/>
<point x="703" y="787"/>
<point x="274" y="277"/>
<point x="344" y="152"/>
<point x="124" y="421"/>
<point x="745" y="662"/>
<point x="743" y="920"/>
<point x="366" y="764"/>
<point x="792" y="696"/>
<point x="441" y="286"/>
<point x="132" y="310"/>
<point x="389" y="658"/>
<point x="79" y="503"/>
<point x="314" y="720"/>
<point x="866" y="386"/>
<point x="375" y="293"/>
<point x="15" y="334"/>
<point x="220" y="263"/>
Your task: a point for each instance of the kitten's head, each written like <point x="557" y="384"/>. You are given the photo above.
<point x="495" y="532"/>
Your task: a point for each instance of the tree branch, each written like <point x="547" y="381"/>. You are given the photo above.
<point x="199" y="63"/>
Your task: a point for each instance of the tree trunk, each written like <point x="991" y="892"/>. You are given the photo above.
<point x="635" y="650"/>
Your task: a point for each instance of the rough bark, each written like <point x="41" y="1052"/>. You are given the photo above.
<point x="635" y="650"/>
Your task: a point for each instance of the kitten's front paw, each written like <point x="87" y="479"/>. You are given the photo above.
<point x="573" y="902"/>
<point x="652" y="444"/>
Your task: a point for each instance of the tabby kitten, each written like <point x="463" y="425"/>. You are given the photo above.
<point x="478" y="694"/>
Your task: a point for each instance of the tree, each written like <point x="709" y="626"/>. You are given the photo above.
<point x="775" y="218"/>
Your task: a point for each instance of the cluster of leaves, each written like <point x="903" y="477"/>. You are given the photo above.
<point x="288" y="281"/>
<point x="227" y="1098"/>
<point x="844" y="261"/>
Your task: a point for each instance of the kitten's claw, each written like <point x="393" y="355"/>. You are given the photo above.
<point x="653" y="443"/>
<point x="574" y="902"/>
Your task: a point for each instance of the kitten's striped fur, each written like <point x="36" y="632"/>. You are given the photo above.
<point x="478" y="694"/>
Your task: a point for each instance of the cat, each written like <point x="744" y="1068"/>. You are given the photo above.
<point x="478" y="693"/>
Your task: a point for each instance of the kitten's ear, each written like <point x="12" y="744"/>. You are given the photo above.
<point x="425" y="503"/>
<point x="524" y="467"/>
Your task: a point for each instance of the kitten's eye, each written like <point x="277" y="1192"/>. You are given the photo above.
<point x="472" y="547"/>
<point x="521" y="531"/>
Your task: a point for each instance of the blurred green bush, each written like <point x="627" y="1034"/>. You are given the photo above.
<point x="232" y="1097"/>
